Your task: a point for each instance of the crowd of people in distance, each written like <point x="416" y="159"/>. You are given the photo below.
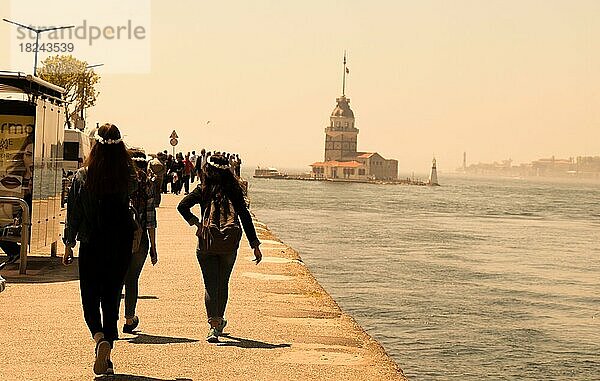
<point x="178" y="172"/>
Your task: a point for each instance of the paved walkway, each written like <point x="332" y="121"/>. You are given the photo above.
<point x="282" y="324"/>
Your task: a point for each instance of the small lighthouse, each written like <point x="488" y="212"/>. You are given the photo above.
<point x="433" y="180"/>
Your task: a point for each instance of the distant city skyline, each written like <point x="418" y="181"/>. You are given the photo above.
<point x="581" y="167"/>
<point x="497" y="79"/>
<point x="514" y="162"/>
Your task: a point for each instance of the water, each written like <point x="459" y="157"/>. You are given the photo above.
<point x="477" y="279"/>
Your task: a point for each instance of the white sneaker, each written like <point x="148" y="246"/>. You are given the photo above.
<point x="102" y="354"/>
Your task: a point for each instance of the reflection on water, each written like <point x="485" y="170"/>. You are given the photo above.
<point x="477" y="279"/>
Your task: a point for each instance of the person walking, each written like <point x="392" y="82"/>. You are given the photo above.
<point x="169" y="175"/>
<point x="188" y="167"/>
<point x="156" y="172"/>
<point x="238" y="165"/>
<point x="98" y="216"/>
<point x="193" y="159"/>
<point x="222" y="206"/>
<point x="200" y="161"/>
<point x="143" y="202"/>
<point x="177" y="172"/>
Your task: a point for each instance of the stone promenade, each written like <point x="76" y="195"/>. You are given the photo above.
<point x="282" y="324"/>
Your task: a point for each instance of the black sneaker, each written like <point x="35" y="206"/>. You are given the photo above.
<point x="128" y="328"/>
<point x="213" y="336"/>
<point x="110" y="370"/>
<point x="221" y="327"/>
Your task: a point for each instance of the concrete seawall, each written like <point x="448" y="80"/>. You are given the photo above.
<point x="322" y="332"/>
<point x="282" y="324"/>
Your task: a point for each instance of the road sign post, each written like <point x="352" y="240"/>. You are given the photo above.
<point x="174" y="141"/>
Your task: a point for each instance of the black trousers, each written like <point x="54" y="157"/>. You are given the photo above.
<point x="186" y="183"/>
<point x="164" y="183"/>
<point x="216" y="271"/>
<point x="132" y="277"/>
<point x="102" y="268"/>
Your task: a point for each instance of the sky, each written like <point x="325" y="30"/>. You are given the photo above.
<point x="494" y="79"/>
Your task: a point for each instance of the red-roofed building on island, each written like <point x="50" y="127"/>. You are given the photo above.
<point x="342" y="161"/>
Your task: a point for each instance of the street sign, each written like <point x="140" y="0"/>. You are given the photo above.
<point x="174" y="142"/>
<point x="174" y="135"/>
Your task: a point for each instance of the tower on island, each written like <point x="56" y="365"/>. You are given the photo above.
<point x="342" y="160"/>
<point x="341" y="135"/>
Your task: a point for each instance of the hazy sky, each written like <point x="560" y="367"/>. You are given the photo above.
<point x="497" y="79"/>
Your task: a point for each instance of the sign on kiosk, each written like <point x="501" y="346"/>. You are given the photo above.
<point x="16" y="161"/>
<point x="16" y="152"/>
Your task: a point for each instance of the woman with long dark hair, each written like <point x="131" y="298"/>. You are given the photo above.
<point x="98" y="216"/>
<point x="221" y="202"/>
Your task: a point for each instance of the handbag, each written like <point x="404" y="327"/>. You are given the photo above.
<point x="137" y="229"/>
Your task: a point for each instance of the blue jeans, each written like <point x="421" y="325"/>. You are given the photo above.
<point x="216" y="271"/>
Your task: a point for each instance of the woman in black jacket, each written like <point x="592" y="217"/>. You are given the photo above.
<point x="177" y="173"/>
<point x="98" y="216"/>
<point x="221" y="202"/>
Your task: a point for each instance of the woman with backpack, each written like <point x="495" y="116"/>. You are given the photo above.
<point x="144" y="207"/>
<point x="221" y="203"/>
<point x="98" y="216"/>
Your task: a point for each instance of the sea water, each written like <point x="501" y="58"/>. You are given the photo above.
<point x="476" y="279"/>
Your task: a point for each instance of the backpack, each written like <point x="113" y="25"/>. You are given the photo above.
<point x="220" y="231"/>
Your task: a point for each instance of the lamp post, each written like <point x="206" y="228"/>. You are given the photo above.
<point x="37" y="37"/>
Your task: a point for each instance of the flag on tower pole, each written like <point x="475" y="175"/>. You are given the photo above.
<point x="347" y="71"/>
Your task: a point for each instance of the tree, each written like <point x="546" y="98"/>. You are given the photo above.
<point x="78" y="81"/>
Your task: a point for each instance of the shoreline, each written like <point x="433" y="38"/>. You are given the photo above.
<point x="406" y="181"/>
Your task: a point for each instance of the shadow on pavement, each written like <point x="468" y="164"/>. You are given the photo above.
<point x="130" y="377"/>
<point x="42" y="270"/>
<point x="143" y="338"/>
<point x="150" y="297"/>
<point x="247" y="343"/>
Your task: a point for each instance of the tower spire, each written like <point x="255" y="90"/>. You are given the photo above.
<point x="344" y="76"/>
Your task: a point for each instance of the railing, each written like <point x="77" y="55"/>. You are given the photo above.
<point x="25" y="224"/>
